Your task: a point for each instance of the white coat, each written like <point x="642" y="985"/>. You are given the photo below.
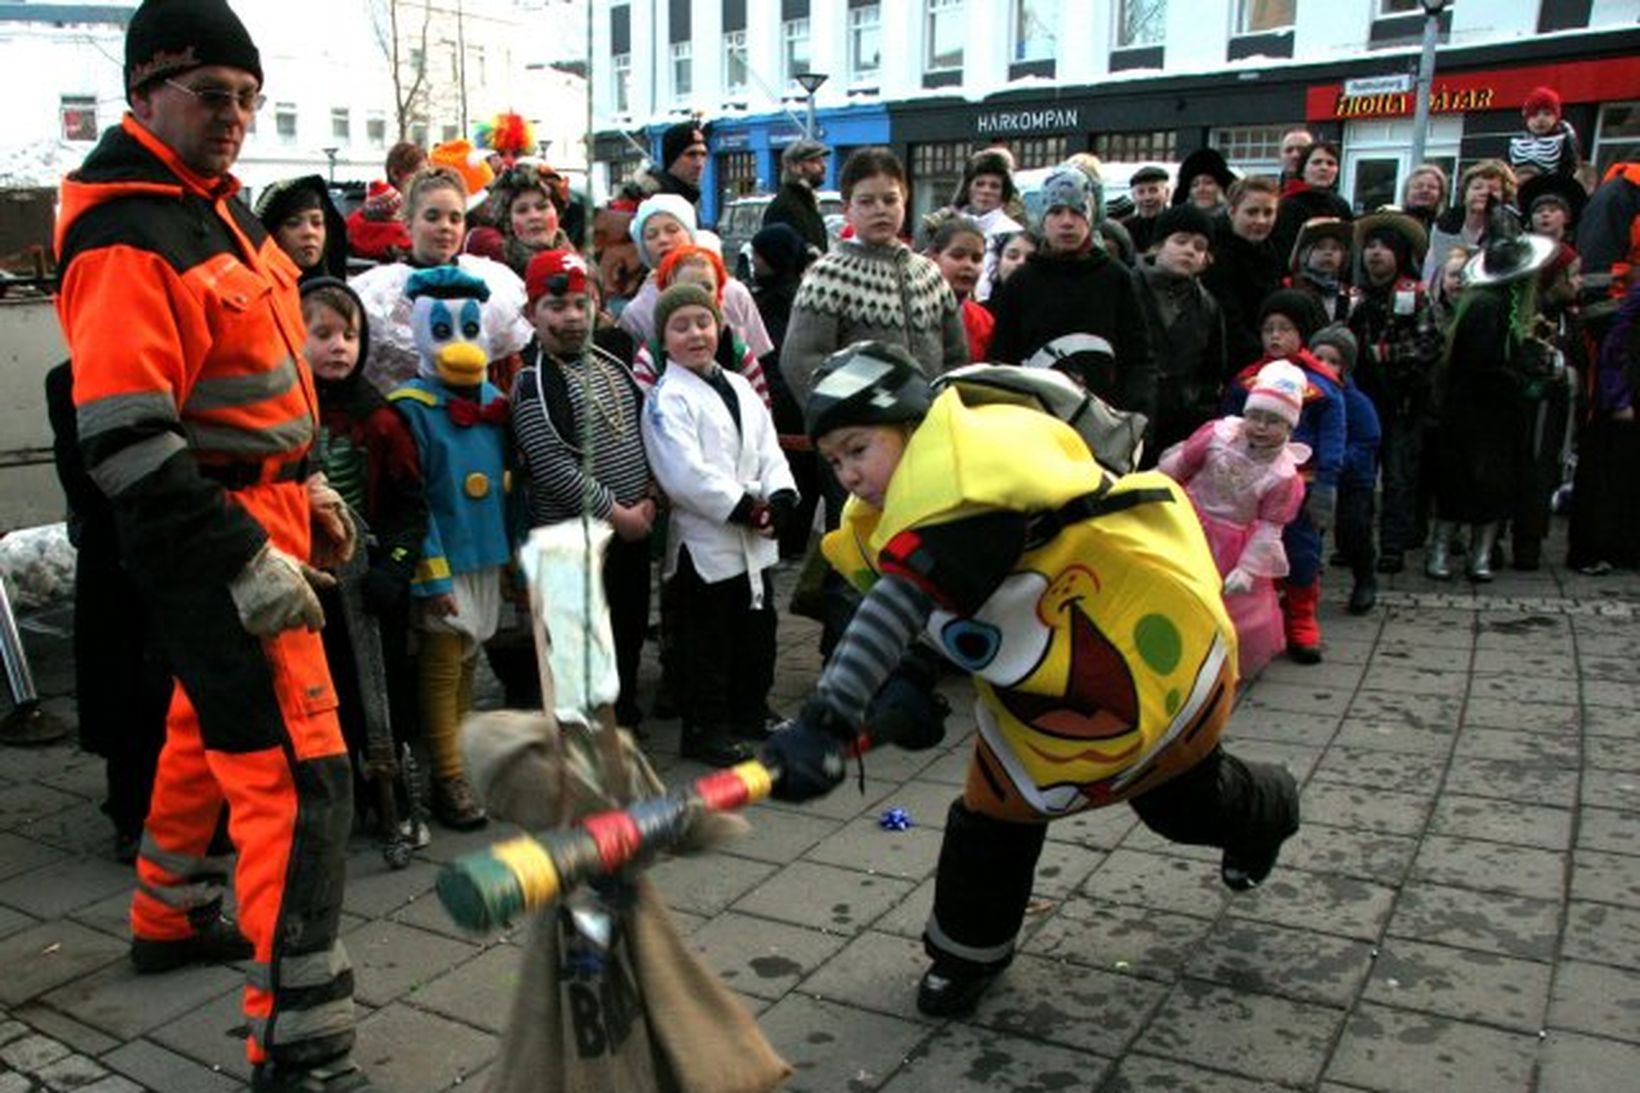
<point x="706" y="465"/>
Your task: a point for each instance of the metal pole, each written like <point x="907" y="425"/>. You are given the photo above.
<point x="28" y="722"/>
<point x="1426" y="78"/>
<point x="808" y="130"/>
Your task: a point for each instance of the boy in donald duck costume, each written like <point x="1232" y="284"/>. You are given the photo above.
<point x="459" y="423"/>
<point x="1088" y="611"/>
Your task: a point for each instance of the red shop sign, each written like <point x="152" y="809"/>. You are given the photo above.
<point x="1500" y="89"/>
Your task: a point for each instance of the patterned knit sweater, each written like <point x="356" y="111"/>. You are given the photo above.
<point x="861" y="291"/>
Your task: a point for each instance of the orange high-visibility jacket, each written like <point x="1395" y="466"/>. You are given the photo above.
<point x="185" y="329"/>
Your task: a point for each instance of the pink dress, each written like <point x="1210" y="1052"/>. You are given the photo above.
<point x="1243" y="502"/>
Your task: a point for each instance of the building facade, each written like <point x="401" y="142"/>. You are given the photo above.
<point x="1130" y="80"/>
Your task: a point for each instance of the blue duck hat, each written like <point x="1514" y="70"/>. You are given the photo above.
<point x="446" y="283"/>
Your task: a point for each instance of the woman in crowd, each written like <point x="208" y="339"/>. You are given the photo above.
<point x="304" y="222"/>
<point x="1490" y="180"/>
<point x="435" y="208"/>
<point x="1423" y="197"/>
<point x="986" y="191"/>
<point x="1314" y="193"/>
<point x="1204" y="181"/>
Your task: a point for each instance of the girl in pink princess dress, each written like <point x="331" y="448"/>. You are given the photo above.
<point x="1242" y="475"/>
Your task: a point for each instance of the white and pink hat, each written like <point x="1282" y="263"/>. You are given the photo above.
<point x="1279" y="389"/>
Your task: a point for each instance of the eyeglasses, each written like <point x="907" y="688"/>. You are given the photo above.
<point x="220" y="98"/>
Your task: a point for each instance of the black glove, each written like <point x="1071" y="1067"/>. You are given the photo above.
<point x="383" y="589"/>
<point x="908" y="712"/>
<point x="810" y="761"/>
<point x="746" y="511"/>
<point x="781" y="507"/>
<point x="1319" y="505"/>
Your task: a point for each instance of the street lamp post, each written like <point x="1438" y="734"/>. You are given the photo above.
<point x="330" y="154"/>
<point x="810" y="83"/>
<point x="1426" y="77"/>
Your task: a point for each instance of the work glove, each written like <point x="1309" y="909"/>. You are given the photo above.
<point x="781" y="507"/>
<point x="275" y="592"/>
<point x="908" y="712"/>
<point x="1237" y="583"/>
<point x="335" y="535"/>
<point x="1319" y="505"/>
<point x="809" y="758"/>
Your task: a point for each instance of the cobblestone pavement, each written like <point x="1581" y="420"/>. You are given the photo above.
<point x="1461" y="910"/>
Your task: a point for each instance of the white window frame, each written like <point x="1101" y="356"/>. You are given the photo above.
<point x="1387" y="12"/>
<point x="1119" y="10"/>
<point x="864" y="20"/>
<point x="1602" y="140"/>
<point x="680" y="59"/>
<point x="934" y="12"/>
<point x="1244" y="11"/>
<point x="793" y="31"/>
<point x="341" y="124"/>
<point x="1049" y="34"/>
<point x="79" y="104"/>
<point x="281" y="111"/>
<point x="620" y="83"/>
<point x="1253" y="149"/>
<point x="734" y="49"/>
<point x="375" y="130"/>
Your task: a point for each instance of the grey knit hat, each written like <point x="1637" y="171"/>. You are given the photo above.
<point x="1340" y="338"/>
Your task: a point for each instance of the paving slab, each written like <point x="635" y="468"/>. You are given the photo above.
<point x="1070" y="1005"/>
<point x="1340" y="804"/>
<point x="824" y="897"/>
<point x="59" y="1026"/>
<point x="834" y="1047"/>
<point x="1560" y="749"/>
<point x="1606" y="878"/>
<point x="864" y="844"/>
<point x="42" y="957"/>
<point x="1596" y="999"/>
<point x="26" y="802"/>
<point x="409" y="1050"/>
<point x="1431" y="744"/>
<point x="1395" y="651"/>
<point x="1501" y="820"/>
<point x="155" y="1067"/>
<point x="1369" y="855"/>
<point x="760" y="957"/>
<point x="1373" y="768"/>
<point x="479" y="992"/>
<point x="1529" y="783"/>
<point x="1461" y="983"/>
<point x="874" y="971"/>
<point x="1490" y="867"/>
<point x="964" y="1059"/>
<point x="706" y="884"/>
<point x="779" y="835"/>
<point x="1341" y="905"/>
<point x="1574" y="1063"/>
<point x="124" y="1004"/>
<point x="1263" y="958"/>
<point x="19" y="854"/>
<point x="212" y="1035"/>
<point x="56" y="889"/>
<point x="1158" y="881"/>
<point x="1611" y="752"/>
<point x="1136" y="1073"/>
<point x="1305" y="698"/>
<point x="1254" y="1035"/>
<point x="391" y="959"/>
<point x="1496" y="923"/>
<point x="1497" y="713"/>
<point x="1617" y="789"/>
<point x="1405" y="1052"/>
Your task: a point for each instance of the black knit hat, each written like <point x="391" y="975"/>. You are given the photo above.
<point x="1182" y="218"/>
<point x="1296" y="306"/>
<point x="167" y="37"/>
<point x="867" y="383"/>
<point x="781" y="247"/>
<point x="678" y="138"/>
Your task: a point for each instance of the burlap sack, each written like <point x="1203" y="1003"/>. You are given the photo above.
<point x="645" y="1014"/>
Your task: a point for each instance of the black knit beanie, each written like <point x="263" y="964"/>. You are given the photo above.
<point x="168" y="37"/>
<point x="1296" y="306"/>
<point x="677" y="138"/>
<point x="1182" y="218"/>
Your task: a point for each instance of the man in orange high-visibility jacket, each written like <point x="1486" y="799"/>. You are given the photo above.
<point x="195" y="414"/>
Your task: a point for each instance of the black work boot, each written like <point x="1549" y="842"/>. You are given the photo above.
<point x="1364" y="596"/>
<point x="340" y="1076"/>
<point x="1245" y="866"/>
<point x="953" y="988"/>
<point x="713" y="746"/>
<point x="216" y="940"/>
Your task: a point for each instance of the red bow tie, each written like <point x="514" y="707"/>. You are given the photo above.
<point x="465" y="412"/>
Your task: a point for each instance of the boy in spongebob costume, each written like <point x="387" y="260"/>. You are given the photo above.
<point x="1087" y="609"/>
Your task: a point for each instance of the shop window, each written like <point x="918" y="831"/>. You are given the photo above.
<point x="1264" y="16"/>
<point x="1036" y="30"/>
<point x="620" y="73"/>
<point x="1254" y="149"/>
<point x="865" y="44"/>
<point x="284" y="122"/>
<point x="1033" y="152"/>
<point x="1146" y="147"/>
<point x="341" y="125"/>
<point x="734" y="63"/>
<point x="1616" y="135"/>
<point x="936" y="172"/>
<point x="794" y="51"/>
<point x="682" y="70"/>
<point x="1140" y="23"/>
<point x="944" y="36"/>
<point x="736" y="175"/>
<point x="375" y="130"/>
<point x="78" y="114"/>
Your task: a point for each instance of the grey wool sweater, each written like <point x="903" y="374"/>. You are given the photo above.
<point x="860" y="291"/>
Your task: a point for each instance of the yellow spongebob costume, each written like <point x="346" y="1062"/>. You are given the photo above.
<point x="1103" y="657"/>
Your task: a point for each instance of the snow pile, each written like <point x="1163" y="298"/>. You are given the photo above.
<point x="37" y="565"/>
<point x="39" y="163"/>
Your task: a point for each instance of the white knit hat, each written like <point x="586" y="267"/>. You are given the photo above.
<point x="674" y="205"/>
<point x="1279" y="389"/>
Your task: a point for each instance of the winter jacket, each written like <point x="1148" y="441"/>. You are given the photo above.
<point x="1400" y="346"/>
<point x="1045" y="310"/>
<point x="861" y="291"/>
<point x="1241" y="275"/>
<point x="706" y="462"/>
<point x="185" y="328"/>
<point x="1363" y="435"/>
<point x="796" y="206"/>
<point x="1186" y="330"/>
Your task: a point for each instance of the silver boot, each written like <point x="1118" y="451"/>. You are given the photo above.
<point x="1482" y="539"/>
<point x="1438" y="558"/>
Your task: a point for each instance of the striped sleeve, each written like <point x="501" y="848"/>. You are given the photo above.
<point x="558" y="488"/>
<point x="870" y="649"/>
